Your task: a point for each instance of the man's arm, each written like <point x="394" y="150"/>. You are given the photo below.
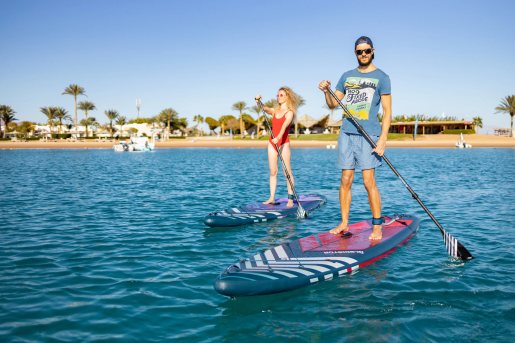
<point x="331" y="102"/>
<point x="386" y="101"/>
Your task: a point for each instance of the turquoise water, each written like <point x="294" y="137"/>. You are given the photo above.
<point x="110" y="247"/>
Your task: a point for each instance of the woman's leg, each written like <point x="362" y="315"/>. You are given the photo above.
<point x="286" y="154"/>
<point x="272" y="163"/>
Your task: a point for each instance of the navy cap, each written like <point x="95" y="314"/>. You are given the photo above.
<point x="363" y="39"/>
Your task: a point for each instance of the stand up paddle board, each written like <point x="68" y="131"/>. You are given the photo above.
<point x="257" y="213"/>
<point x="314" y="258"/>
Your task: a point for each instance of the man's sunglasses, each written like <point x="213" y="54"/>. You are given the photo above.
<point x="367" y="51"/>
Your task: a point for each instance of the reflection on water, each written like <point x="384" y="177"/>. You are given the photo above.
<point x="98" y="246"/>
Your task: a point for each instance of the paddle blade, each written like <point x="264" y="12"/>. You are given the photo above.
<point x="301" y="213"/>
<point x="455" y="248"/>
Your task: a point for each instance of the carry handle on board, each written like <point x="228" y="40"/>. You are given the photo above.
<point x="300" y="211"/>
<point x="454" y="248"/>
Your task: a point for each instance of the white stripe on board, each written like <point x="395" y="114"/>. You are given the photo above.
<point x="258" y="260"/>
<point x="328" y="276"/>
<point x="236" y="210"/>
<point x="330" y="258"/>
<point x="281" y="253"/>
<point x="275" y="213"/>
<point x="297" y="270"/>
<point x="293" y="262"/>
<point x="269" y="256"/>
<point x="313" y="280"/>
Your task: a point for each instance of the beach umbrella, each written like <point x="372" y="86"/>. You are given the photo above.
<point x="307" y="121"/>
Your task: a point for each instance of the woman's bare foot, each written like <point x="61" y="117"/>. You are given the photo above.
<point x="377" y="233"/>
<point x="341" y="228"/>
<point x="269" y="201"/>
<point x="290" y="203"/>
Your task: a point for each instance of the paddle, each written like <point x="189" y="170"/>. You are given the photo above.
<point x="300" y="211"/>
<point x="454" y="248"/>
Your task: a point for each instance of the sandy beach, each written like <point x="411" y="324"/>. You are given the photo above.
<point x="428" y="141"/>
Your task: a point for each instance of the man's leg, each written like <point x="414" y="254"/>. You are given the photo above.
<point x="374" y="199"/>
<point x="345" y="200"/>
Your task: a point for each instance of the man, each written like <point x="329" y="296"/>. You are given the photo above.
<point x="365" y="89"/>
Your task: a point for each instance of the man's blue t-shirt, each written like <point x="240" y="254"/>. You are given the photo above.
<point x="362" y="98"/>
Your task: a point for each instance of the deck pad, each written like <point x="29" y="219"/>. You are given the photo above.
<point x="255" y="213"/>
<point x="311" y="259"/>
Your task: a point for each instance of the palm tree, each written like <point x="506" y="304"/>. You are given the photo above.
<point x="223" y="121"/>
<point x="213" y="123"/>
<point x="478" y="122"/>
<point x="507" y="105"/>
<point x="121" y="121"/>
<point x="240" y="106"/>
<point x="256" y="109"/>
<point x="302" y="102"/>
<point x="111" y="115"/>
<point x="7" y="114"/>
<point x="75" y="90"/>
<point x="88" y="122"/>
<point x="168" y="115"/>
<point x="87" y="106"/>
<point x="50" y="113"/>
<point x="199" y="119"/>
<point x="61" y="114"/>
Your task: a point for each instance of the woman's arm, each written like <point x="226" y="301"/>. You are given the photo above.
<point x="267" y="110"/>
<point x="287" y="122"/>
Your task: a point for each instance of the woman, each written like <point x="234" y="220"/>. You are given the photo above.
<point x="282" y="117"/>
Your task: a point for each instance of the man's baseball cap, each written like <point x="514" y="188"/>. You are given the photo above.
<point x="363" y="39"/>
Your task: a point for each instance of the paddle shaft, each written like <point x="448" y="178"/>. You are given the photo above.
<point x="367" y="137"/>
<point x="301" y="210"/>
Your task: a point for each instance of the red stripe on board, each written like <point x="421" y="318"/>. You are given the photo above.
<point x="386" y="253"/>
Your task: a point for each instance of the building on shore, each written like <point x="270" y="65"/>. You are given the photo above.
<point x="502" y="132"/>
<point x="430" y="127"/>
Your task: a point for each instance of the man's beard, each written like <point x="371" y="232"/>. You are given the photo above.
<point x="361" y="64"/>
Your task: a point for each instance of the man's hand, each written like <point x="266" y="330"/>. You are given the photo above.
<point x="323" y="86"/>
<point x="381" y="146"/>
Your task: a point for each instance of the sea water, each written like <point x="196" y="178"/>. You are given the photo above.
<point x="98" y="246"/>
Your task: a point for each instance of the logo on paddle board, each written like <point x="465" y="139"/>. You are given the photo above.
<point x="359" y="92"/>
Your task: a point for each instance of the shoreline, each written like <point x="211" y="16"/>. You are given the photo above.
<point x="433" y="141"/>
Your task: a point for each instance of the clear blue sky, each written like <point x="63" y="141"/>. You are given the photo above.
<point x="199" y="57"/>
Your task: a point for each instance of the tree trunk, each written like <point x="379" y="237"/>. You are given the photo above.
<point x="223" y="129"/>
<point x="75" y="113"/>
<point x="168" y="129"/>
<point x="86" y="123"/>
<point x="111" y="126"/>
<point x="241" y="125"/>
<point x="512" y="124"/>
<point x="296" y="125"/>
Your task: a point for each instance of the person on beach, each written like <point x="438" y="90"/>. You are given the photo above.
<point x="283" y="115"/>
<point x="365" y="89"/>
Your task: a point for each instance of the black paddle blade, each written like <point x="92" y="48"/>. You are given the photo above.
<point x="455" y="248"/>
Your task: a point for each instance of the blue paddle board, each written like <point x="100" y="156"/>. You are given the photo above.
<point x="314" y="259"/>
<point x="257" y="213"/>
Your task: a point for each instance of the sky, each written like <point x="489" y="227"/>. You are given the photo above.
<point x="200" y="57"/>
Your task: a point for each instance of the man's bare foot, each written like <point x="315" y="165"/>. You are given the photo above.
<point x="377" y="233"/>
<point x="269" y="201"/>
<point x="290" y="203"/>
<point x="341" y="228"/>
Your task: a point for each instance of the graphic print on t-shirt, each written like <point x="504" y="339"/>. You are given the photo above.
<point x="359" y="92"/>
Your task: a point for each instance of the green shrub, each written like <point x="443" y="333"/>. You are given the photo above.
<point x="5" y="139"/>
<point x="458" y="131"/>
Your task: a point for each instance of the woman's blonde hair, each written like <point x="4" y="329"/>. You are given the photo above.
<point x="292" y="102"/>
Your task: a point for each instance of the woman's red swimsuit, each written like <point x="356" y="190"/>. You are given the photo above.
<point x="277" y="124"/>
